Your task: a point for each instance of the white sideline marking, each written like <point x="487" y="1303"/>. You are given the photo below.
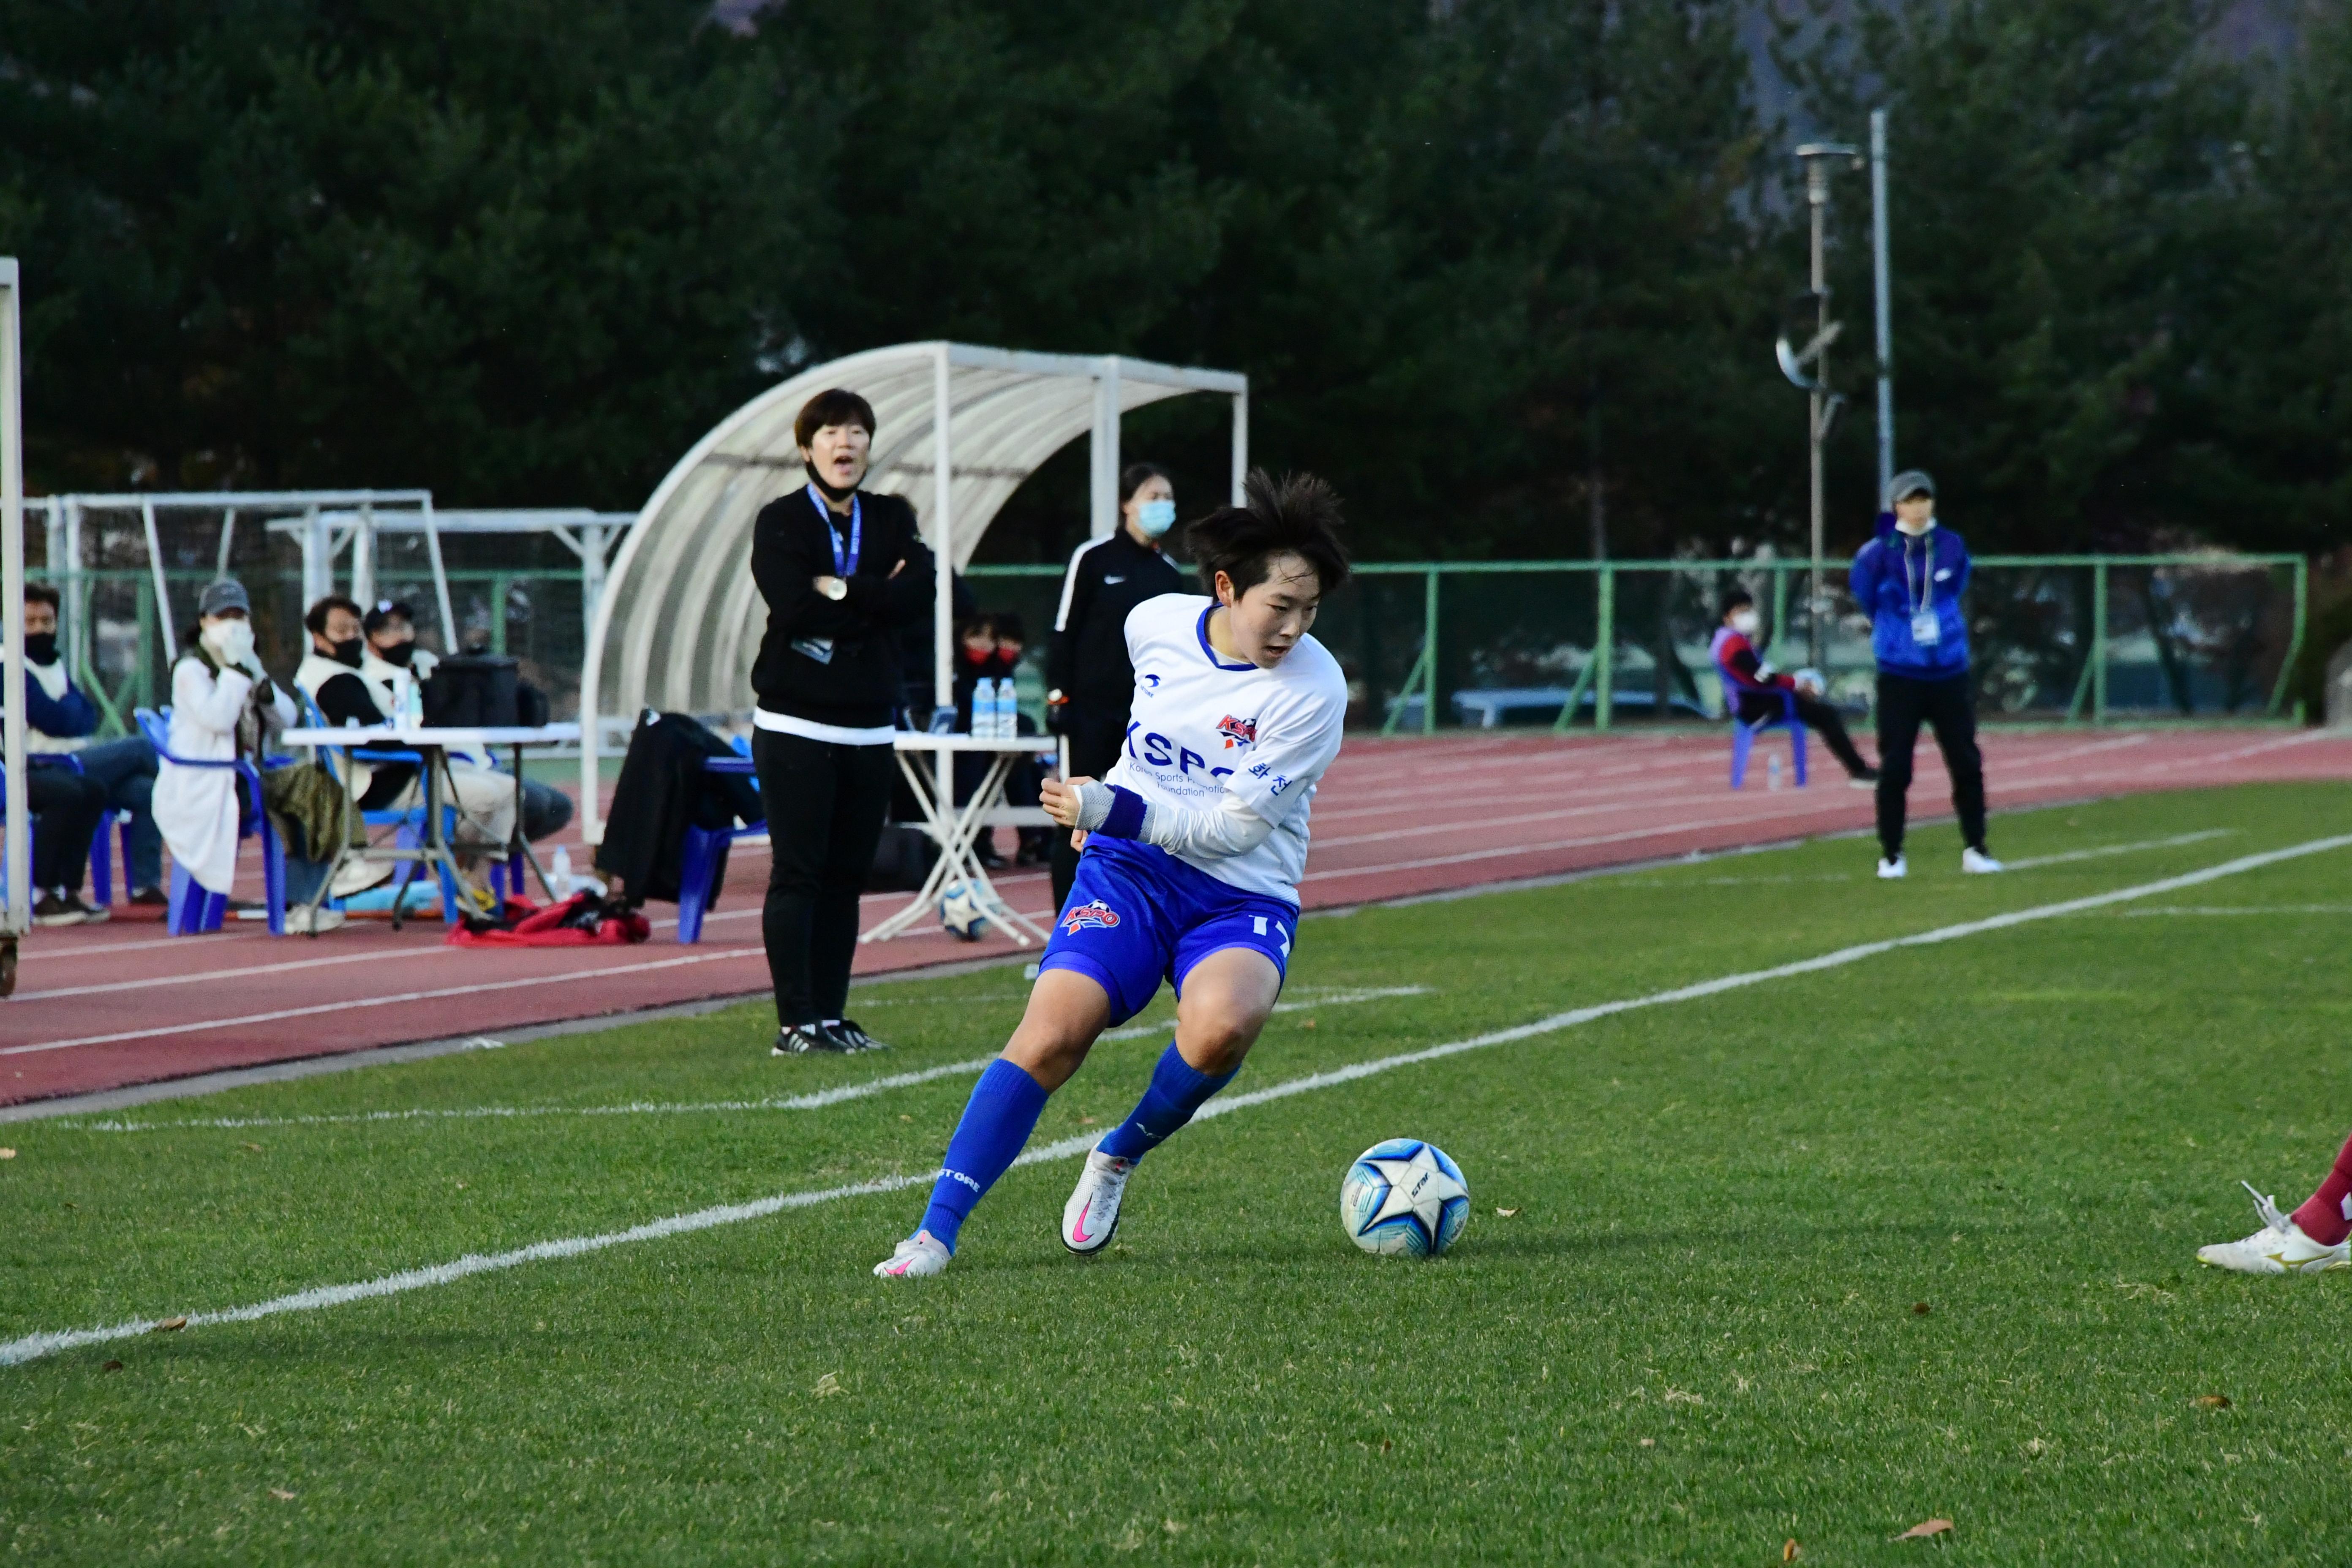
<point x="1308" y="996"/>
<point x="348" y="1003"/>
<point x="33" y="1346"/>
<point x="2103" y="850"/>
<point x="1304" y="1000"/>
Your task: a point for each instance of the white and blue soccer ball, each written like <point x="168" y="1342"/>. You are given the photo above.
<point x="1404" y="1197"/>
<point x="961" y="912"/>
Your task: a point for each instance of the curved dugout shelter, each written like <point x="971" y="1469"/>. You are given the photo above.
<point x="960" y="427"/>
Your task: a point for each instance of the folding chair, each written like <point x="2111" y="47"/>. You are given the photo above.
<point x="698" y="869"/>
<point x="193" y="908"/>
<point x="1743" y="734"/>
<point x="101" y="848"/>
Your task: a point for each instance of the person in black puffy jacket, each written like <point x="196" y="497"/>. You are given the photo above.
<point x="843" y="572"/>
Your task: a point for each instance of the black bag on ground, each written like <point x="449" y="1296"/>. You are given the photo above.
<point x="474" y="690"/>
<point x="662" y="786"/>
<point x="902" y="859"/>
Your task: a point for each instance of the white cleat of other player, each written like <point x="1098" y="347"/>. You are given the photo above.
<point x="1091" y="1216"/>
<point x="1893" y="870"/>
<point x="916" y="1257"/>
<point x="2279" y="1248"/>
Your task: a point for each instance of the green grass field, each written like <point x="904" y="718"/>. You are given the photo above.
<point x="1698" y="1333"/>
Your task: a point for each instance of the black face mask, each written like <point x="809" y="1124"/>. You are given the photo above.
<point x="827" y="491"/>
<point x="348" y="652"/>
<point x="41" y="648"/>
<point x="399" y="653"/>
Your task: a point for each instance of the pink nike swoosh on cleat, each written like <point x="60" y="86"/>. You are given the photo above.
<point x="1078" y="1231"/>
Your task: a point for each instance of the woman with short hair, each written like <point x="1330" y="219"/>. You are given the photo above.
<point x="843" y="571"/>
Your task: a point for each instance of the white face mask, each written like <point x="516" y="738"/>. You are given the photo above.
<point x="1155" y="518"/>
<point x="1744" y="622"/>
<point x="230" y="641"/>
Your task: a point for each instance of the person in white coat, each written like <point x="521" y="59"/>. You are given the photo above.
<point x="223" y="706"/>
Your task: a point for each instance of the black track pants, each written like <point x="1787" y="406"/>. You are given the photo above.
<point x="1817" y="716"/>
<point x="1948" y="708"/>
<point x="824" y="805"/>
<point x="1094" y="742"/>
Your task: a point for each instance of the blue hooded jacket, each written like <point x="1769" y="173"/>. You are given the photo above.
<point x="1936" y="566"/>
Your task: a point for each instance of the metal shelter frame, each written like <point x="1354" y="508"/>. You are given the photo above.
<point x="960" y="427"/>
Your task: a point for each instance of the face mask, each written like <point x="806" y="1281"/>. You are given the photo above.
<point x="230" y="641"/>
<point x="399" y="653"/>
<point x="1155" y="516"/>
<point x="824" y="485"/>
<point x="1744" y="622"/>
<point x="348" y="651"/>
<point x="41" y="648"/>
<point x="1903" y="527"/>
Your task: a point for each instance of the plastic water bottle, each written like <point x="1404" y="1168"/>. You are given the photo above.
<point x="1772" y="771"/>
<point x="983" y="709"/>
<point x="559" y="872"/>
<point x="1005" y="724"/>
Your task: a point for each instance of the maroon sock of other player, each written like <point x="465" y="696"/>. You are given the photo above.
<point x="2326" y="1218"/>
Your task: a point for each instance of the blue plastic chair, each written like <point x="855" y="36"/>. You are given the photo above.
<point x="698" y="867"/>
<point x="1743" y="734"/>
<point x="193" y="908"/>
<point x="407" y="822"/>
<point x="101" y="848"/>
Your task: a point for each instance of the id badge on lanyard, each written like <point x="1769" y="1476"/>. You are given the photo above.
<point x="1925" y="631"/>
<point x="843" y="566"/>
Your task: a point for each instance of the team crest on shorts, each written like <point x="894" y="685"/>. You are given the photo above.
<point x="1237" y="731"/>
<point x="1094" y="914"/>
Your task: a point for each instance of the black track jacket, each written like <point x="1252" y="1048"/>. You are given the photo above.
<point x="836" y="661"/>
<point x="1087" y="660"/>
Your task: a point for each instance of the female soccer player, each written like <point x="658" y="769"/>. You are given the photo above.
<point x="2313" y="1239"/>
<point x="1194" y="846"/>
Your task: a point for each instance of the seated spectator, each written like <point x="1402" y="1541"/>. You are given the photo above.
<point x="224" y="706"/>
<point x="67" y="808"/>
<point x="61" y="721"/>
<point x="1759" y="688"/>
<point x="390" y="651"/>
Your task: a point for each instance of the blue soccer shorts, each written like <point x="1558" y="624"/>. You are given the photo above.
<point x="1137" y="915"/>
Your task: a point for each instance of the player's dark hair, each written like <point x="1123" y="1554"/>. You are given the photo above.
<point x="315" y="617"/>
<point x="43" y="593"/>
<point x="837" y="406"/>
<point x="1134" y="476"/>
<point x="1008" y="627"/>
<point x="386" y="611"/>
<point x="1734" y="600"/>
<point x="1296" y="514"/>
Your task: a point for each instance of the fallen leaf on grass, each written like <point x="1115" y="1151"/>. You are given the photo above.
<point x="255" y="1147"/>
<point x="1923" y="1529"/>
<point x="1307" y="1024"/>
<point x="1789" y="1553"/>
<point x="281" y="1494"/>
<point x="1920" y="1308"/>
<point x="2213" y="1402"/>
<point x="7" y="1153"/>
<point x="1507" y="1214"/>
<point x="1649" y="1442"/>
<point x="1676" y="1396"/>
<point x="904" y="1117"/>
<point x="169" y="1325"/>
<point x="112" y="1366"/>
<point x="828" y="1387"/>
<point x="1085" y="1121"/>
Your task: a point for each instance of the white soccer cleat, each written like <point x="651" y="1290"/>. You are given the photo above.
<point x="1091" y="1216"/>
<point x="1894" y="870"/>
<point x="1977" y="863"/>
<point x="919" y="1257"/>
<point x="2279" y="1248"/>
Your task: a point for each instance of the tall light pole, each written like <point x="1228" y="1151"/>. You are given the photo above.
<point x="1819" y="159"/>
<point x="1882" y="280"/>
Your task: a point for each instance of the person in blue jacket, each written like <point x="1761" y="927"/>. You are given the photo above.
<point x="1909" y="579"/>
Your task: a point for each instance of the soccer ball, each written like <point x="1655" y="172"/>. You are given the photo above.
<point x="962" y="912"/>
<point x="1404" y="1196"/>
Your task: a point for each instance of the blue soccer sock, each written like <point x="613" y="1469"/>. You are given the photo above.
<point x="1177" y="1091"/>
<point x="997" y="1120"/>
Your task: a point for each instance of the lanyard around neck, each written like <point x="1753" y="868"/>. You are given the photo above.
<point x="1926" y="568"/>
<point x="843" y="566"/>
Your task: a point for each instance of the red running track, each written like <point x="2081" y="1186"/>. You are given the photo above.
<point x="101" y="1007"/>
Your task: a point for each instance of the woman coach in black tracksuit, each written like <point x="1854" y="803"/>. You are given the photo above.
<point x="842" y="571"/>
<point x="1089" y="681"/>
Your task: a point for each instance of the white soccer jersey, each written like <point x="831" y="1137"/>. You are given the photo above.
<point x="1200" y="726"/>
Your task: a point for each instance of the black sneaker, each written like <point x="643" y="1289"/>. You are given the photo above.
<point x="53" y="909"/>
<point x="800" y="1039"/>
<point x="853" y="1038"/>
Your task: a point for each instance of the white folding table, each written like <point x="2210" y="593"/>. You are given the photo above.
<point x="433" y="745"/>
<point x="956" y="829"/>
